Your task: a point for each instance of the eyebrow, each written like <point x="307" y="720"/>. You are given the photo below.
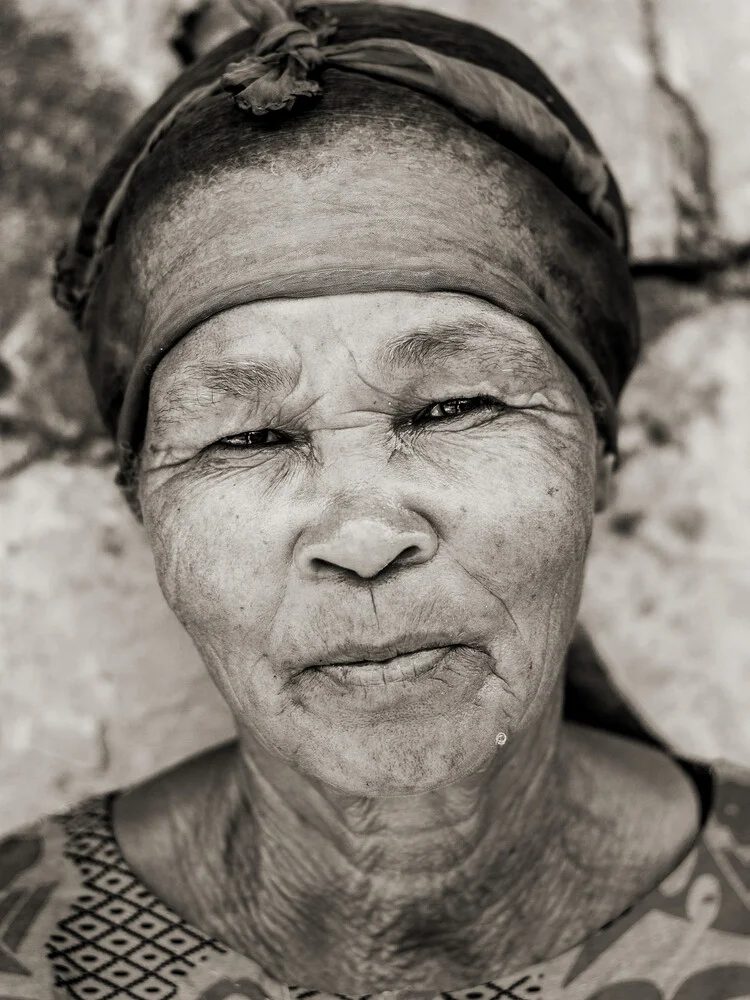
<point x="444" y="342"/>
<point x="248" y="377"/>
<point x="417" y="349"/>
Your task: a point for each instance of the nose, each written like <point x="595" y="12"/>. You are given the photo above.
<point x="365" y="544"/>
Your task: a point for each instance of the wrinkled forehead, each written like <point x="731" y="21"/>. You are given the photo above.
<point x="378" y="339"/>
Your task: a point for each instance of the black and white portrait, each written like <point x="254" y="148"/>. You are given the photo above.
<point x="374" y="500"/>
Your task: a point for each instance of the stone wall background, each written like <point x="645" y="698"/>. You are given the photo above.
<point x="98" y="684"/>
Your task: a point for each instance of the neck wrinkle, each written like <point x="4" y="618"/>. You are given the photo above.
<point x="470" y="852"/>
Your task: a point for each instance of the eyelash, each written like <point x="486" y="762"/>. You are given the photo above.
<point x="484" y="403"/>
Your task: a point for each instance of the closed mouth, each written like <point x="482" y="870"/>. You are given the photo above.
<point x="405" y="667"/>
<point x="360" y="653"/>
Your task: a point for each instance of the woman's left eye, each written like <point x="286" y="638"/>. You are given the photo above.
<point x="448" y="409"/>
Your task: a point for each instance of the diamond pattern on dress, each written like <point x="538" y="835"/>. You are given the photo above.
<point x="119" y="941"/>
<point x="93" y="899"/>
<point x="150" y="956"/>
<point x="88" y="958"/>
<point x="180" y="941"/>
<point x="119" y="912"/>
<point x="92" y="989"/>
<point x="525" y="988"/>
<point x="121" y="973"/>
<point x="112" y="881"/>
<point x="148" y="925"/>
<point x="87" y="927"/>
<point x="153" y="991"/>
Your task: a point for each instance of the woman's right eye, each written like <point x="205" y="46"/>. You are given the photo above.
<point x="253" y="440"/>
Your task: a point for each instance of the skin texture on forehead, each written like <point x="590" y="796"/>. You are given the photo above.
<point x="364" y="127"/>
<point x="404" y="136"/>
<point x="368" y="115"/>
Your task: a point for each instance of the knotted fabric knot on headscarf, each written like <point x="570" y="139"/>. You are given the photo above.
<point x="277" y="71"/>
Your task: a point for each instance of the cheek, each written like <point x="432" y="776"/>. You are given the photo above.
<point x="534" y="489"/>
<point x="216" y="562"/>
<point x="524" y="526"/>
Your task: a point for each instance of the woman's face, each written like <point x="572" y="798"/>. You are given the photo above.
<point x="372" y="469"/>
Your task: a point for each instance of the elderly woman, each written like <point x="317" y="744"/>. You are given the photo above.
<point x="357" y="309"/>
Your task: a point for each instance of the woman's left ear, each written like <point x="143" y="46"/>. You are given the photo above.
<point x="605" y="465"/>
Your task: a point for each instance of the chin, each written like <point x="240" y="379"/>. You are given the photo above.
<point x="378" y="762"/>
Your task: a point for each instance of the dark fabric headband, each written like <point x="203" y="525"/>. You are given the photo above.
<point x="287" y="56"/>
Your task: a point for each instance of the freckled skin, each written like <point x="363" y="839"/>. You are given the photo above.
<point x="498" y="506"/>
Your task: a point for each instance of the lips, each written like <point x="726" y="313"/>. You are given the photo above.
<point x="385" y="673"/>
<point x="353" y="653"/>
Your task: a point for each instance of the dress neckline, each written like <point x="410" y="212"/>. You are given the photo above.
<point x="702" y="775"/>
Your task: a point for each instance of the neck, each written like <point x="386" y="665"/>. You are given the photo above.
<point x="410" y="891"/>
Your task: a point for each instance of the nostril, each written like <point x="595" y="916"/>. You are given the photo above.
<point x="362" y="564"/>
<point x="365" y="565"/>
<point x="324" y="566"/>
<point x="409" y="553"/>
<point x="323" y="569"/>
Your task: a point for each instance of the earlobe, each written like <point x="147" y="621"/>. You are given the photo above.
<point x="605" y="465"/>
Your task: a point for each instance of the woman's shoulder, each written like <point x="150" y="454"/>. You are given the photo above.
<point x="75" y="920"/>
<point x="689" y="936"/>
<point x="38" y="880"/>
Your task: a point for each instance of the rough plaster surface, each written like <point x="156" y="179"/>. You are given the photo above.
<point x="98" y="684"/>
<point x="698" y="41"/>
<point x="668" y="587"/>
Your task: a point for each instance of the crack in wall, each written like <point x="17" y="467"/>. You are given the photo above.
<point x="184" y="42"/>
<point x="726" y="274"/>
<point x="41" y="443"/>
<point x="689" y="151"/>
<point x="104" y="762"/>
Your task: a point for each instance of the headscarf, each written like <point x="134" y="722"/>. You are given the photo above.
<point x="131" y="315"/>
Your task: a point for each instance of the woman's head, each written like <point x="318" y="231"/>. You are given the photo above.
<point x="282" y="313"/>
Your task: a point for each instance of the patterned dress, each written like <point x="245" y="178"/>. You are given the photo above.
<point x="76" y="922"/>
